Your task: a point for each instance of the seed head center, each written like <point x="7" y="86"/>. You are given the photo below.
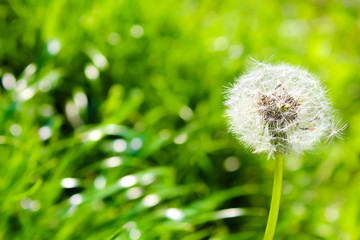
<point x="278" y="108"/>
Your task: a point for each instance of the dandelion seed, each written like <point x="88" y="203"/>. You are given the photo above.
<point x="279" y="108"/>
<point x="337" y="131"/>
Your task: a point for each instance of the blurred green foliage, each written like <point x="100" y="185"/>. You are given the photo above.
<point x="111" y="119"/>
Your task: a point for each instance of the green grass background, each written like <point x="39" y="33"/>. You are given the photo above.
<point x="156" y="105"/>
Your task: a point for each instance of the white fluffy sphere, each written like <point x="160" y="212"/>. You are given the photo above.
<point x="279" y="108"/>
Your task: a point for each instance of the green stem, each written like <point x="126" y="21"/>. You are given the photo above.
<point x="275" y="199"/>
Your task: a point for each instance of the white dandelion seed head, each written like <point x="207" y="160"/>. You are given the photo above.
<point x="279" y="108"/>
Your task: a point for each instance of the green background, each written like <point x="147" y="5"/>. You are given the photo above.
<point x="141" y="82"/>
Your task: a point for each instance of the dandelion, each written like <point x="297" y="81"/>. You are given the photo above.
<point x="279" y="109"/>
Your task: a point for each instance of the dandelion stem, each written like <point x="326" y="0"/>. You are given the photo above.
<point x="275" y="199"/>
